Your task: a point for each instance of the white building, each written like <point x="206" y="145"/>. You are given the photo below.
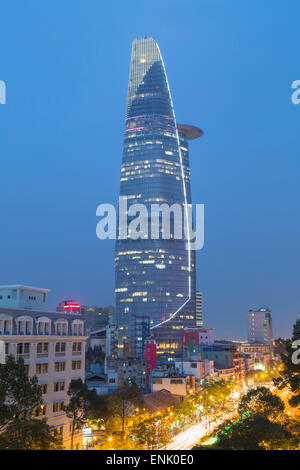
<point x="52" y="345"/>
<point x="18" y="296"/>
<point x="203" y="371"/>
<point x="175" y="385"/>
<point x="260" y="326"/>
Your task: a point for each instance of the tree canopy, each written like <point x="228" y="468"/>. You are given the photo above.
<point x="261" y="400"/>
<point x="289" y="374"/>
<point x="20" y="403"/>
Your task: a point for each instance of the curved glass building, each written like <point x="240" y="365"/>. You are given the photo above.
<point x="155" y="278"/>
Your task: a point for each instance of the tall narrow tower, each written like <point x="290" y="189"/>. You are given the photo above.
<point x="260" y="326"/>
<point x="155" y="278"/>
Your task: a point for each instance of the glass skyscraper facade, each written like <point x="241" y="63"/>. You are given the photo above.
<point x="155" y="278"/>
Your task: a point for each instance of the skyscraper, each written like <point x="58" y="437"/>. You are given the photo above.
<point x="199" y="309"/>
<point x="260" y="326"/>
<point x="154" y="277"/>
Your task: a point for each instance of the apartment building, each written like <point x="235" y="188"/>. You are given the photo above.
<point x="52" y="345"/>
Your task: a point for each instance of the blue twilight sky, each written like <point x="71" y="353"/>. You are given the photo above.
<point x="230" y="66"/>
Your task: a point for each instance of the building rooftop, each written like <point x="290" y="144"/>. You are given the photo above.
<point x="159" y="401"/>
<point x="22" y="287"/>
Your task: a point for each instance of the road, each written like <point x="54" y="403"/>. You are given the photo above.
<point x="187" y="439"/>
<point x="191" y="436"/>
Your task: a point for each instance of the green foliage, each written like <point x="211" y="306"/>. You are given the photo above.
<point x="152" y="433"/>
<point x="214" y="396"/>
<point x="29" y="434"/>
<point x="183" y="410"/>
<point x="289" y="375"/>
<point x="94" y="356"/>
<point x="114" y="411"/>
<point x="79" y="395"/>
<point x="256" y="432"/>
<point x="98" y="410"/>
<point x="20" y="396"/>
<point x="261" y="401"/>
<point x="296" y="330"/>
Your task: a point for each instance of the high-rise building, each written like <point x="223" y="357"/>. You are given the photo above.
<point x="260" y="326"/>
<point x="199" y="309"/>
<point x="139" y="331"/>
<point x="154" y="277"/>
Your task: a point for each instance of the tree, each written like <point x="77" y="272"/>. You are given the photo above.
<point x="289" y="373"/>
<point x="94" y="356"/>
<point x="20" y="401"/>
<point x="256" y="432"/>
<point x="261" y="401"/>
<point x="153" y="433"/>
<point x="75" y="409"/>
<point x="97" y="410"/>
<point x="183" y="410"/>
<point x="123" y="403"/>
<point x="221" y="392"/>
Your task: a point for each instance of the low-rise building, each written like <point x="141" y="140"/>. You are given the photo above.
<point x="226" y="374"/>
<point x="177" y="384"/>
<point x="125" y="370"/>
<point x="52" y="345"/>
<point x="157" y="402"/>
<point x="203" y="371"/>
<point x="98" y="382"/>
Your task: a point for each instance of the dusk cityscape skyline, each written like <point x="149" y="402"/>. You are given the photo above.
<point x="49" y="233"/>
<point x="149" y="261"/>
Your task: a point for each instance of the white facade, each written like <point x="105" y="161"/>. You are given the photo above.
<point x="260" y="326"/>
<point x="206" y="336"/>
<point x="201" y="370"/>
<point x="174" y="385"/>
<point x="52" y="345"/>
<point x="18" y="296"/>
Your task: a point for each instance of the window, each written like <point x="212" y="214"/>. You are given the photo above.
<point x="59" y="366"/>
<point x="193" y="365"/>
<point x="40" y="410"/>
<point x="41" y="368"/>
<point x="77" y="328"/>
<point x="60" y="348"/>
<point x="59" y="386"/>
<point x="42" y="348"/>
<point x="5" y="325"/>
<point x="58" y="406"/>
<point x="76" y="347"/>
<point x="23" y="348"/>
<point x="44" y="326"/>
<point x="176" y="381"/>
<point x="112" y="381"/>
<point x="24" y="325"/>
<point x="61" y="327"/>
<point x="76" y="365"/>
<point x="58" y="431"/>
